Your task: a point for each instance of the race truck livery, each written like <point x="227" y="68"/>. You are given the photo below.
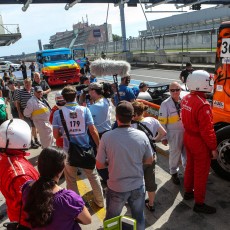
<point x="58" y="67"/>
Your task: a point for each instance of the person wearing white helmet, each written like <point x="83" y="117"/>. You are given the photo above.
<point x="199" y="139"/>
<point x="15" y="169"/>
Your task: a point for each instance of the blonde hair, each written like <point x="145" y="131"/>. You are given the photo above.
<point x="139" y="108"/>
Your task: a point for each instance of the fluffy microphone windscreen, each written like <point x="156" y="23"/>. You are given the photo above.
<point x="103" y="67"/>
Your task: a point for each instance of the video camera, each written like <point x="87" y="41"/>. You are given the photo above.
<point x="107" y="89"/>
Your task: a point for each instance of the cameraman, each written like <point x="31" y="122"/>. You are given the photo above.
<point x="82" y="96"/>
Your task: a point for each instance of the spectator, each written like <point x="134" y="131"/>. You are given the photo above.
<point x="38" y="82"/>
<point x="74" y="113"/>
<point x="169" y="117"/>
<point x="199" y="139"/>
<point x="185" y="72"/>
<point x="92" y="78"/>
<point x="3" y="113"/>
<point x="32" y="68"/>
<point x="12" y="99"/>
<point x="38" y="110"/>
<point x="143" y="87"/>
<point x="23" y="68"/>
<point x="124" y="150"/>
<point x="158" y="132"/>
<point x="101" y="113"/>
<point x="125" y="93"/>
<point x="22" y="96"/>
<point x="15" y="169"/>
<point x="60" y="102"/>
<point x="47" y="204"/>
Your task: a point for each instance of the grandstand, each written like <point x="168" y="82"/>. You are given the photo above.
<point x="196" y="21"/>
<point x="82" y="35"/>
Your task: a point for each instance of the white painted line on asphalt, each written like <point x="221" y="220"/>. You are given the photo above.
<point x="169" y="79"/>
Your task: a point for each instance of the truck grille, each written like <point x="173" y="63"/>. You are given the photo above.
<point x="65" y="72"/>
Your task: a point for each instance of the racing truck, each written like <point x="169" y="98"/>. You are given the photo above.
<point x="220" y="101"/>
<point x="58" y="67"/>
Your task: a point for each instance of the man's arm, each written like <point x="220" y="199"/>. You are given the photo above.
<point x="29" y="109"/>
<point x="56" y="133"/>
<point x="94" y="133"/>
<point x="99" y="165"/>
<point x="148" y="161"/>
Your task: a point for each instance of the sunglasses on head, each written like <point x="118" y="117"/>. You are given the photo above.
<point x="174" y="90"/>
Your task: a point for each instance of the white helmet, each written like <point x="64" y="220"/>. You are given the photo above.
<point x="200" y="80"/>
<point x="60" y="101"/>
<point x="15" y="133"/>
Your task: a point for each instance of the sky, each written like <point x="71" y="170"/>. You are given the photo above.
<point x="41" y="21"/>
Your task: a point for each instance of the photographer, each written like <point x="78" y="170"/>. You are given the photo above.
<point x="82" y="96"/>
<point x="101" y="113"/>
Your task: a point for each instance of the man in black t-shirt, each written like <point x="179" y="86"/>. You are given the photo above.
<point x="23" y="69"/>
<point x="185" y="72"/>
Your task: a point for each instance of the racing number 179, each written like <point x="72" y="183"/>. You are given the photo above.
<point x="74" y="123"/>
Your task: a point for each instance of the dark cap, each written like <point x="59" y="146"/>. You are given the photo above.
<point x="188" y="64"/>
<point x="94" y="85"/>
<point x="11" y="82"/>
<point x="83" y="79"/>
<point x="125" y="108"/>
<point x="38" y="89"/>
<point x="142" y="85"/>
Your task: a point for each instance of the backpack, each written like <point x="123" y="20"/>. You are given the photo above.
<point x="2" y="110"/>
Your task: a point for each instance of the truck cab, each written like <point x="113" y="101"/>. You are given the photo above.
<point x="58" y="67"/>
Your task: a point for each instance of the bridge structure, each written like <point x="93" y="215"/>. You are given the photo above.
<point x="120" y="3"/>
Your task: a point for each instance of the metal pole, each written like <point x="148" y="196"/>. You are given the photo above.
<point x="149" y="26"/>
<point x="122" y="17"/>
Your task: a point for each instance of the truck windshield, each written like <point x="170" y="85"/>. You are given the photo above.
<point x="57" y="57"/>
<point x="78" y="54"/>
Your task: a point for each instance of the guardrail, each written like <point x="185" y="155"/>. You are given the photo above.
<point x="9" y="29"/>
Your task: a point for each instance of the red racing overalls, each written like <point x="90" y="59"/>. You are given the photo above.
<point x="15" y="170"/>
<point x="199" y="140"/>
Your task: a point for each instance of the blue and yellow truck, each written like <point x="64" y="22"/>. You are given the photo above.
<point x="58" y="67"/>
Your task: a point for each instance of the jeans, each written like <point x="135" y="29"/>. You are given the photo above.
<point x="115" y="201"/>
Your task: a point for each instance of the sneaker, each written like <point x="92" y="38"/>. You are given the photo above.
<point x="175" y="179"/>
<point x="36" y="141"/>
<point x="33" y="145"/>
<point x="204" y="208"/>
<point x="188" y="195"/>
<point x="149" y="207"/>
<point x="78" y="172"/>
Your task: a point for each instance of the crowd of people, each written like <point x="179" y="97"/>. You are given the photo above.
<point x="125" y="152"/>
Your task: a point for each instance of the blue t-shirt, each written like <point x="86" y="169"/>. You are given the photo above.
<point x="125" y="93"/>
<point x="101" y="112"/>
<point x="77" y="118"/>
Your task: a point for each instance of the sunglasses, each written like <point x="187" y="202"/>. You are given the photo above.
<point x="174" y="90"/>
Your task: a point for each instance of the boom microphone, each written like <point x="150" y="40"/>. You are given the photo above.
<point x="103" y="67"/>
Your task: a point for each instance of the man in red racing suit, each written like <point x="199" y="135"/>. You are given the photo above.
<point x="15" y="170"/>
<point x="200" y="143"/>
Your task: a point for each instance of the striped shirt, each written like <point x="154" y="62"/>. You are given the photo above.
<point x="23" y="96"/>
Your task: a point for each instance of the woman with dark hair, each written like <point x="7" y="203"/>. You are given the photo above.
<point x="157" y="132"/>
<point x="48" y="205"/>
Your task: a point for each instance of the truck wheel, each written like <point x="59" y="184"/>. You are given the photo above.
<point x="221" y="166"/>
